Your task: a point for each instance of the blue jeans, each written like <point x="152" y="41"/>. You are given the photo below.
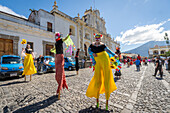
<point x="45" y="67"/>
<point x="166" y="66"/>
<point x="138" y="67"/>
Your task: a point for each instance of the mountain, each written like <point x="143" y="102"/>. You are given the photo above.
<point x="143" y="49"/>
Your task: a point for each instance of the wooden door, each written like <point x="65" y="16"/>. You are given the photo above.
<point x="6" y="47"/>
<point x="48" y="48"/>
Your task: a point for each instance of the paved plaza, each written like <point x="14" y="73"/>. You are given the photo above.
<point x="138" y="92"/>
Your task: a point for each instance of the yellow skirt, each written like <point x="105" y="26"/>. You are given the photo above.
<point x="29" y="67"/>
<point x="102" y="81"/>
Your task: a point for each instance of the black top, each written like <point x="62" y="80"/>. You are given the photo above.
<point x="97" y="49"/>
<point x="77" y="54"/>
<point x="59" y="46"/>
<point x="169" y="61"/>
<point x="28" y="51"/>
<point x="159" y="63"/>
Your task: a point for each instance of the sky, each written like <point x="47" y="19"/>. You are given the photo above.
<point x="130" y="22"/>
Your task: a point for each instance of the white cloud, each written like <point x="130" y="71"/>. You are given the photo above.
<point x="143" y="34"/>
<point x="7" y="10"/>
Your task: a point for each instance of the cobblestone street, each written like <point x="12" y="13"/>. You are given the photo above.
<point x="137" y="92"/>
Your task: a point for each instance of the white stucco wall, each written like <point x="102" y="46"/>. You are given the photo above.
<point x="37" y="41"/>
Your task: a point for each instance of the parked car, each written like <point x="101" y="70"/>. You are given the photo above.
<point x="69" y="63"/>
<point x="51" y="63"/>
<point x="10" y="65"/>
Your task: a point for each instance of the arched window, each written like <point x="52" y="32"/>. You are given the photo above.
<point x="155" y="52"/>
<point x="162" y="52"/>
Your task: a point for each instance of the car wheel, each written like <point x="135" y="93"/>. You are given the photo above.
<point x="69" y="68"/>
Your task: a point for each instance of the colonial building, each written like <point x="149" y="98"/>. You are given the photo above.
<point x="40" y="27"/>
<point x="157" y="50"/>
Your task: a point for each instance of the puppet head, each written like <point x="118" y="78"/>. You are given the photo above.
<point x="98" y="37"/>
<point x="57" y="36"/>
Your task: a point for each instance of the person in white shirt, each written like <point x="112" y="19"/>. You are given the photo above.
<point x="46" y="64"/>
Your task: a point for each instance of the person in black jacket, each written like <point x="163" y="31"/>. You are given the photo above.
<point x="77" y="61"/>
<point x="169" y="65"/>
<point x="158" y="67"/>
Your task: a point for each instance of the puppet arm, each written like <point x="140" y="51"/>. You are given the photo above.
<point x="109" y="51"/>
<point x="91" y="55"/>
<point x="66" y="37"/>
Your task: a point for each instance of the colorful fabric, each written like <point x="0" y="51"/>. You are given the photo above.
<point x="29" y="67"/>
<point x="69" y="43"/>
<point x="110" y="53"/>
<point x="60" y="74"/>
<point x="102" y="81"/>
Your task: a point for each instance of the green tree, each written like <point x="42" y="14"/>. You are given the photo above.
<point x="166" y="38"/>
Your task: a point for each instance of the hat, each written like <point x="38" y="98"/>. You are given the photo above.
<point x="57" y="34"/>
<point x="98" y="35"/>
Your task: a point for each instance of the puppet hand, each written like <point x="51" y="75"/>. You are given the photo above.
<point x="70" y="33"/>
<point x="94" y="63"/>
<point x="94" y="54"/>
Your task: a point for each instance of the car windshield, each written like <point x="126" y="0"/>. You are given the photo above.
<point x="11" y="60"/>
<point x="52" y="59"/>
<point x="70" y="59"/>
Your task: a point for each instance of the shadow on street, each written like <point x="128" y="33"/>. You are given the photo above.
<point x="70" y="75"/>
<point x="18" y="82"/>
<point x="37" y="106"/>
<point x="94" y="110"/>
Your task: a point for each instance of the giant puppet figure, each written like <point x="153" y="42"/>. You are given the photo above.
<point x="102" y="81"/>
<point x="59" y="63"/>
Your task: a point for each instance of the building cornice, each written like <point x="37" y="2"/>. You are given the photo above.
<point x="24" y="29"/>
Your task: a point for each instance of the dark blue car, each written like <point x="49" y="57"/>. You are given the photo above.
<point x="10" y="65"/>
<point x="69" y="63"/>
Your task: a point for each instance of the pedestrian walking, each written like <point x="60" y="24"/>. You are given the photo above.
<point x="102" y="81"/>
<point x="77" y="61"/>
<point x="158" y="67"/>
<point x="82" y="63"/>
<point x="137" y="64"/>
<point x="29" y="68"/>
<point x="166" y="63"/>
<point x="128" y="62"/>
<point x="163" y="61"/>
<point x="59" y="63"/>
